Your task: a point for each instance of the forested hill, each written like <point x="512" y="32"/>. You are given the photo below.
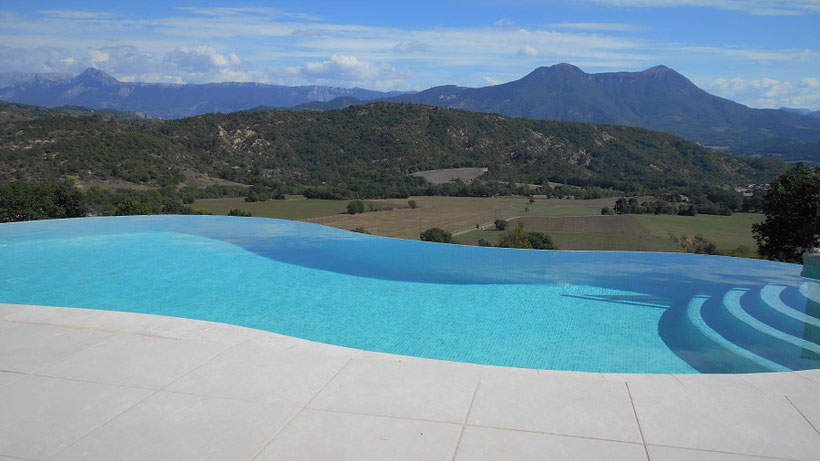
<point x="369" y="149"/>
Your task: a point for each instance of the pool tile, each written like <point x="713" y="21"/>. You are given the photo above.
<point x="42" y="415"/>
<point x="657" y="453"/>
<point x="28" y="348"/>
<point x="132" y="360"/>
<point x="723" y="419"/>
<point x="320" y="435"/>
<point x="555" y="404"/>
<point x="263" y="374"/>
<point x="170" y="426"/>
<point x="481" y="443"/>
<point x="379" y="384"/>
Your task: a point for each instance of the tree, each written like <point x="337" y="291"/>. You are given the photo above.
<point x="540" y="241"/>
<point x="356" y="206"/>
<point x="791" y="208"/>
<point x="412" y="204"/>
<point x="437" y="234"/>
<point x="500" y="224"/>
<point x="514" y="238"/>
<point x="607" y="211"/>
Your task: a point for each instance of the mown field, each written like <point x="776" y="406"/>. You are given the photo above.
<point x="572" y="224"/>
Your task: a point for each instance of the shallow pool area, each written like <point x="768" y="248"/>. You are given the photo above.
<point x="566" y="310"/>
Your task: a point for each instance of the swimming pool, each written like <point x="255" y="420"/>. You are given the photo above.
<point x="567" y="310"/>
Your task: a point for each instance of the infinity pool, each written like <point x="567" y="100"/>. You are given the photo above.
<point x="569" y="310"/>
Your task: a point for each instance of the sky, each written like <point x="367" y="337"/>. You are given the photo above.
<point x="762" y="53"/>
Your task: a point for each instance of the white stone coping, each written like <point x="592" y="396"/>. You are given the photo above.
<point x="91" y="384"/>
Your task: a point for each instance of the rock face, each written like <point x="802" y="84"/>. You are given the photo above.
<point x="96" y="89"/>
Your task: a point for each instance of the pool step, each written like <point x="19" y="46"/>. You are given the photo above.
<point x="695" y="314"/>
<point x="757" y="326"/>
<point x="731" y="301"/>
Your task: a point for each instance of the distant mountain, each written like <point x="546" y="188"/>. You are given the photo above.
<point x="658" y="98"/>
<point x="808" y="112"/>
<point x="96" y="89"/>
<point x="19" y="78"/>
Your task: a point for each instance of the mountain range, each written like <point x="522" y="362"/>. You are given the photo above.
<point x="96" y="89"/>
<point x="657" y="98"/>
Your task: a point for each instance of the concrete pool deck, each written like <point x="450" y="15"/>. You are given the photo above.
<point x="81" y="384"/>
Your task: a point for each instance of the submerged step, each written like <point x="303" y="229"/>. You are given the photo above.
<point x="731" y="301"/>
<point x="811" y="291"/>
<point x="693" y="311"/>
<point x="771" y="296"/>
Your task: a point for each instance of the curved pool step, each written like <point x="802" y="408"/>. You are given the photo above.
<point x="731" y="301"/>
<point x="810" y="291"/>
<point x="695" y="316"/>
<point x="770" y="294"/>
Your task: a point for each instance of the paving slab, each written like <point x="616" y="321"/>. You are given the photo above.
<point x="683" y="454"/>
<point x="808" y="404"/>
<point x="555" y="404"/>
<point x="385" y="385"/>
<point x="481" y="443"/>
<point x="27" y="348"/>
<point x="322" y="435"/>
<point x="8" y="309"/>
<point x="723" y="419"/>
<point x="88" y="318"/>
<point x="781" y="383"/>
<point x="170" y="426"/>
<point x="42" y="415"/>
<point x="227" y="334"/>
<point x="262" y="374"/>
<point x="7" y="377"/>
<point x="133" y="360"/>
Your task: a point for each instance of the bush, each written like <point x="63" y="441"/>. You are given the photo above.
<point x="356" y="206"/>
<point x="412" y="204"/>
<point x="540" y="241"/>
<point x="437" y="234"/>
<point x="515" y="238"/>
<point x="360" y="230"/>
<point x="238" y="212"/>
<point x="484" y="243"/>
<point x="606" y="211"/>
<point x="500" y="224"/>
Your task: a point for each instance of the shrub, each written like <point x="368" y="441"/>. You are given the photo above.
<point x="500" y="224"/>
<point x="540" y="241"/>
<point x="437" y="234"/>
<point x="360" y="230"/>
<point x="412" y="204"/>
<point x="238" y="212"/>
<point x="514" y="238"/>
<point x="606" y="211"/>
<point x="356" y="206"/>
<point x="484" y="243"/>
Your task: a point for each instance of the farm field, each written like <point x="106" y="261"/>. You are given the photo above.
<point x="295" y="208"/>
<point x="572" y="224"/>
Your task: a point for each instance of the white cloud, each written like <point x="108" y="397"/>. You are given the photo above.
<point x="350" y="70"/>
<point x="770" y="93"/>
<point x="527" y="50"/>
<point x="492" y="81"/>
<point x="599" y="26"/>
<point x="504" y="22"/>
<point x="97" y="57"/>
<point x="411" y="47"/>
<point x="755" y="7"/>
<point x="76" y="14"/>
<point x="200" y="59"/>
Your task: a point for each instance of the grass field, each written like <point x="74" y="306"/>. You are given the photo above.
<point x="572" y="224"/>
<point x="633" y="232"/>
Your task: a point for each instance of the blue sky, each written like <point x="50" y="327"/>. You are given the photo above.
<point x="764" y="53"/>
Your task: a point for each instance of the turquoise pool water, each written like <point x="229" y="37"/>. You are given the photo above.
<point x="584" y="311"/>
